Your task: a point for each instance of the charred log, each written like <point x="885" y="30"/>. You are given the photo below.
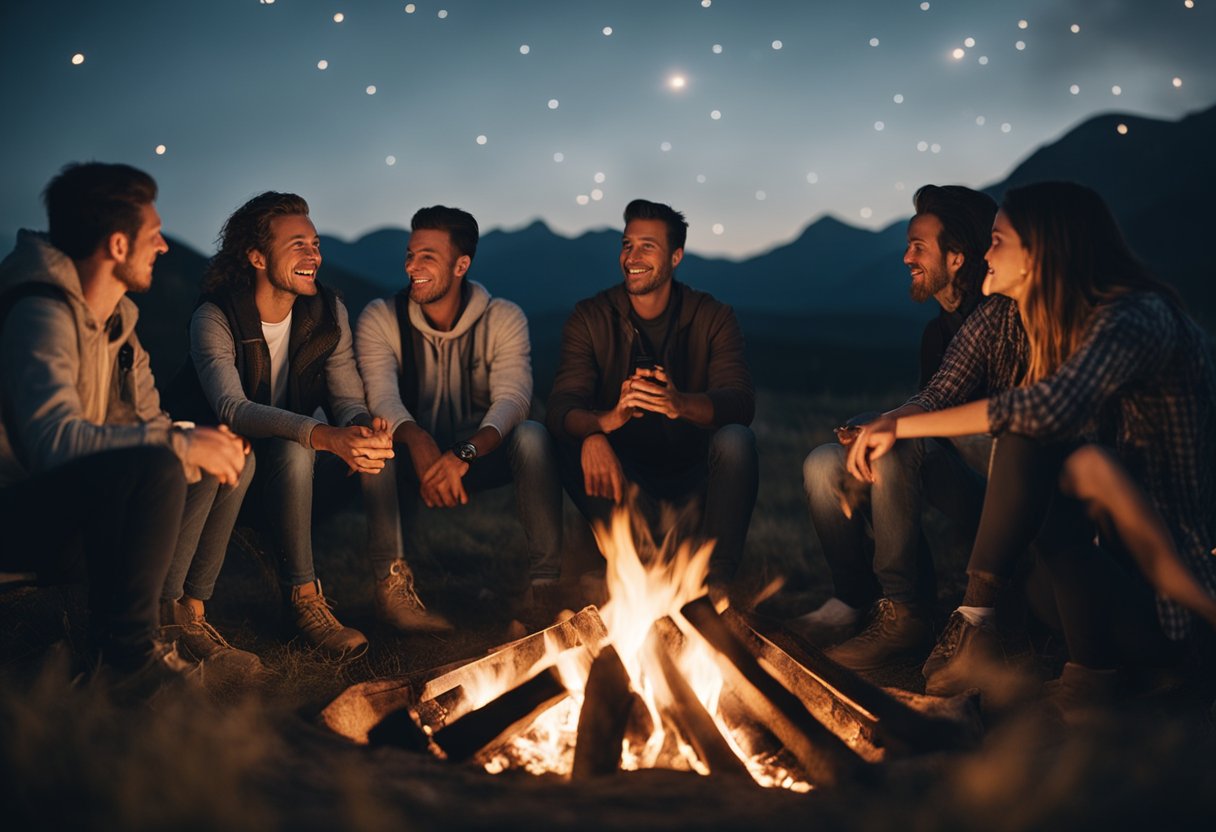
<point x="509" y="713"/>
<point x="685" y="710"/>
<point x="608" y="701"/>
<point x="871" y="711"/>
<point x="824" y="756"/>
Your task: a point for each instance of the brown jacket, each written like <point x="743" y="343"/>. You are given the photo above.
<point x="704" y="355"/>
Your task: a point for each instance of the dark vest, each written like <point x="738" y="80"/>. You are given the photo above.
<point x="411" y="345"/>
<point x="313" y="339"/>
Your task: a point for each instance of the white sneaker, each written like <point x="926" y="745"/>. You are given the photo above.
<point x="834" y="622"/>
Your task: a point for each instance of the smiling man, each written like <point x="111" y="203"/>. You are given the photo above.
<point x="449" y="369"/>
<point x="871" y="534"/>
<point x="269" y="345"/>
<point x="653" y="389"/>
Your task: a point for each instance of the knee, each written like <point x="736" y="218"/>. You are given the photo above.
<point x="823" y="468"/>
<point x="905" y="457"/>
<point x="733" y="447"/>
<point x="530" y="441"/>
<point x="287" y="458"/>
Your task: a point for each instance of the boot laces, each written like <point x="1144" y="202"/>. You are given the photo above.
<point x="884" y="615"/>
<point x="952" y="636"/>
<point x="401" y="587"/>
<point x="316" y="613"/>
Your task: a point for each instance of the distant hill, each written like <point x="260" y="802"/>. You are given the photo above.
<point x="833" y="288"/>
<point x="1159" y="179"/>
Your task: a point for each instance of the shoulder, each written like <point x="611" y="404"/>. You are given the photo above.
<point x="501" y="309"/>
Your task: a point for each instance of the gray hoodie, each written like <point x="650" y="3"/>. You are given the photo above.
<point x="61" y="384"/>
<point x="478" y="374"/>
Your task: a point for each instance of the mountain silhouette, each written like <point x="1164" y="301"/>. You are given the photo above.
<point x="814" y="309"/>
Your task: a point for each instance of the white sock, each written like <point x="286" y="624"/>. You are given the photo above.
<point x="834" y="611"/>
<point x="978" y="616"/>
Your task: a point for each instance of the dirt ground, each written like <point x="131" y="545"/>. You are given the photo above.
<point x="258" y="759"/>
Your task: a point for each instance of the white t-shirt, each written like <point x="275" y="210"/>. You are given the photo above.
<point x="276" y="336"/>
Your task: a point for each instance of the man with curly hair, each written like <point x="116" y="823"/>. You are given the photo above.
<point x="269" y="346"/>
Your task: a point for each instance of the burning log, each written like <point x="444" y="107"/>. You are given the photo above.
<point x="507" y="714"/>
<point x="509" y="665"/>
<point x="686" y="711"/>
<point x="858" y="707"/>
<point x="608" y="701"/>
<point x="824" y="756"/>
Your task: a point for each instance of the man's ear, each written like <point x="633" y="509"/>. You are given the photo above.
<point x="462" y="265"/>
<point x="954" y="262"/>
<point x="676" y="257"/>
<point x="256" y="259"/>
<point x="118" y="246"/>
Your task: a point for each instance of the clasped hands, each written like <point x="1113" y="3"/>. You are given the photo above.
<point x="647" y="390"/>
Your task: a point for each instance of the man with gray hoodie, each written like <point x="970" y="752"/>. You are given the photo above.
<point x="91" y="468"/>
<point x="450" y="369"/>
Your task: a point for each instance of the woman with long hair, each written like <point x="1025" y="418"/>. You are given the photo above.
<point x="1109" y="357"/>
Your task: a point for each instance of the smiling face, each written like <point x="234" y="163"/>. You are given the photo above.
<point x="647" y="262"/>
<point x="1009" y="261"/>
<point x="294" y="255"/>
<point x="924" y="257"/>
<point x="135" y="272"/>
<point x="433" y="264"/>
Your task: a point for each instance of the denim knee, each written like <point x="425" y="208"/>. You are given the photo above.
<point x="733" y="447"/>
<point x="822" y="468"/>
<point x="531" y="440"/>
<point x="286" y="458"/>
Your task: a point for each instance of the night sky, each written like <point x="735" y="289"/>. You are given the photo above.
<point x="753" y="117"/>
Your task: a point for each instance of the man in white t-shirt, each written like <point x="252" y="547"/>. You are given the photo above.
<point x="269" y="346"/>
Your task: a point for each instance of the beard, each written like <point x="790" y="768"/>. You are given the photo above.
<point x="656" y="280"/>
<point x="130" y="277"/>
<point x="933" y="281"/>
<point x="431" y="292"/>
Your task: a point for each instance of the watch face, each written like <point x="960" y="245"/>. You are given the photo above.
<point x="466" y="451"/>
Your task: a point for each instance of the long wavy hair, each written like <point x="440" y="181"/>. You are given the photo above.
<point x="1079" y="260"/>
<point x="248" y="229"/>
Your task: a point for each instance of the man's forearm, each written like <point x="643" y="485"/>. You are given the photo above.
<point x="583" y="423"/>
<point x="697" y="408"/>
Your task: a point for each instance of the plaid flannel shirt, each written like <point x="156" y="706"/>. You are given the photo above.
<point x="1142" y="380"/>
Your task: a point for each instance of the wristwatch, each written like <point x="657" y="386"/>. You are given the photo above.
<point x="465" y="451"/>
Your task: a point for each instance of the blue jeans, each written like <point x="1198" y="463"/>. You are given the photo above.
<point x="876" y="546"/>
<point x="210" y="514"/>
<point x="727" y="481"/>
<point x="282" y="490"/>
<point x="527" y="457"/>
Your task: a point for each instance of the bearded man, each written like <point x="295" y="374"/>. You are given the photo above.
<point x="653" y="390"/>
<point x="871" y="534"/>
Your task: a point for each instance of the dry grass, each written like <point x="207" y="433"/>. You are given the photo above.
<point x="71" y="757"/>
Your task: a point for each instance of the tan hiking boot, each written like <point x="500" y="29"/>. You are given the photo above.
<point x="201" y="643"/>
<point x="965" y="657"/>
<point x="896" y="632"/>
<point x="315" y="621"/>
<point x="398" y="604"/>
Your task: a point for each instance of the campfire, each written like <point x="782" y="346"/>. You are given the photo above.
<point x="656" y="678"/>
